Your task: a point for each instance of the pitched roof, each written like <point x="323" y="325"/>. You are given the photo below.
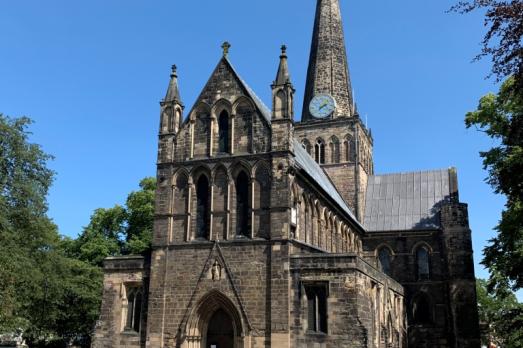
<point x="408" y="201"/>
<point x="260" y="106"/>
<point x="307" y="163"/>
<point x="264" y="110"/>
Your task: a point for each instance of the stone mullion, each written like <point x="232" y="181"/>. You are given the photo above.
<point x="170" y="223"/>
<point x="251" y="206"/>
<point x="211" y="207"/>
<point x="212" y="136"/>
<point x="190" y="187"/>
<point x="191" y="154"/>
<point x="233" y="121"/>
<point x="251" y="133"/>
<point x="316" y="228"/>
<point x="228" y="206"/>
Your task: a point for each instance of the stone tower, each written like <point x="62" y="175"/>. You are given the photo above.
<point x="338" y="141"/>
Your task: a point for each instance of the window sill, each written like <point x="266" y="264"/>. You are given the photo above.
<point x="130" y="332"/>
<point x="316" y="333"/>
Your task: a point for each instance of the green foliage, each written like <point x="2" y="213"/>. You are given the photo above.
<point x="140" y="217"/>
<point x="51" y="286"/>
<point x="24" y="228"/>
<point x="118" y="230"/>
<point x="501" y="118"/>
<point x="493" y="314"/>
<point x="43" y="291"/>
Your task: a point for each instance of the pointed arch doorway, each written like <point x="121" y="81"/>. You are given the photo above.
<point x="220" y="331"/>
<point x="215" y="322"/>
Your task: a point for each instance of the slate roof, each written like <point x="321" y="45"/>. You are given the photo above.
<point x="309" y="165"/>
<point x="408" y="201"/>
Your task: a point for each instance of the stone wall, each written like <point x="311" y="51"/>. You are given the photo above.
<point x="348" y="155"/>
<point x="365" y="308"/>
<point x="120" y="275"/>
<point x="449" y="290"/>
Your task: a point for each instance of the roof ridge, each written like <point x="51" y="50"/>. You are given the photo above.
<point x="415" y="171"/>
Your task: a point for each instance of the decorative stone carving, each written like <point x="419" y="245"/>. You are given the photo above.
<point x="216" y="271"/>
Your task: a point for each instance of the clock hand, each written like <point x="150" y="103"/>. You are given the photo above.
<point x="323" y="105"/>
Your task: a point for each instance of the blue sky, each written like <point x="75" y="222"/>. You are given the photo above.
<point x="91" y="74"/>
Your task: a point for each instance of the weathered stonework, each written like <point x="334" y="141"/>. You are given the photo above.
<point x="275" y="233"/>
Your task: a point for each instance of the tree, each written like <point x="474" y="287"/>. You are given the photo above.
<point x="43" y="291"/>
<point x="493" y="311"/>
<point x="501" y="118"/>
<point x="25" y="229"/>
<point x="118" y="230"/>
<point x="140" y="217"/>
<point x="503" y="40"/>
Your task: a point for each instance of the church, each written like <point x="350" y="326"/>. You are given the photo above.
<point x="271" y="232"/>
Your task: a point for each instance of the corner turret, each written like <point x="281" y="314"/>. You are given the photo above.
<point x="282" y="107"/>
<point x="171" y="106"/>
<point x="282" y="90"/>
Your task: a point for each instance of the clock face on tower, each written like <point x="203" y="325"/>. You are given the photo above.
<point x="322" y="105"/>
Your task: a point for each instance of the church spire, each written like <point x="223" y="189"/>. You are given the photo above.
<point x="283" y="76"/>
<point x="173" y="93"/>
<point x="328" y="71"/>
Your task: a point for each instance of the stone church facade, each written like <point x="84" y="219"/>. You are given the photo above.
<point x="275" y="233"/>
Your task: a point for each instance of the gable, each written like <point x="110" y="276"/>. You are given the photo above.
<point x="226" y="108"/>
<point x="226" y="83"/>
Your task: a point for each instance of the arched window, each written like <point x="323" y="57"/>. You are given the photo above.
<point x="202" y="207"/>
<point x="335" y="150"/>
<point x="134" y="309"/>
<point x="242" y="205"/>
<point x="423" y="263"/>
<point x="307" y="146"/>
<point x="348" y="148"/>
<point x="384" y="257"/>
<point x="223" y="132"/>
<point x="421" y="313"/>
<point x="319" y="151"/>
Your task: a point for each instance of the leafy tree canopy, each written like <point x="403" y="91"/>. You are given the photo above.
<point x="493" y="314"/>
<point x="118" y="230"/>
<point x="501" y="118"/>
<point x="43" y="292"/>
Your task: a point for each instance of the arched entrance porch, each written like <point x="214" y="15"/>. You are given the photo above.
<point x="215" y="323"/>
